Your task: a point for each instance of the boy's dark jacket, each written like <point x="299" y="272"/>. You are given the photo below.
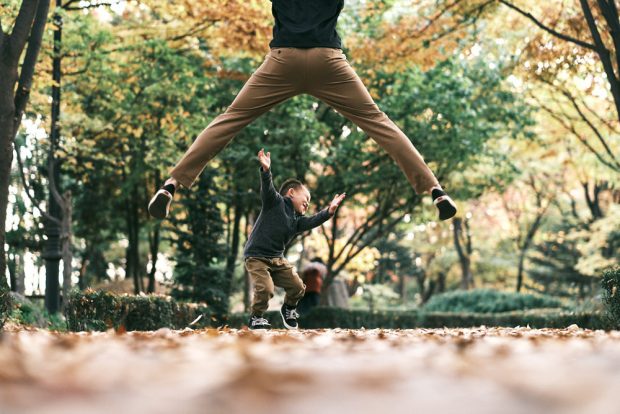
<point x="278" y="222"/>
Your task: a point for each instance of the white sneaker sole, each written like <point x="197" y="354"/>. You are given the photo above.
<point x="286" y="324"/>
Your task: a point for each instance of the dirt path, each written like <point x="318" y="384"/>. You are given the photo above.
<point x="479" y="370"/>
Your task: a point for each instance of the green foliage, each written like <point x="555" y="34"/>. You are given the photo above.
<point x="92" y="310"/>
<point x="611" y="294"/>
<point x="29" y="314"/>
<point x="5" y="304"/>
<point x="553" y="266"/>
<point x="488" y="301"/>
<point x="99" y="311"/>
<point x="331" y="318"/>
<point x="197" y="279"/>
<point x="376" y="296"/>
<point x="599" y="243"/>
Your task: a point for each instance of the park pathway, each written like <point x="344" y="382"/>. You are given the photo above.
<point x="479" y="370"/>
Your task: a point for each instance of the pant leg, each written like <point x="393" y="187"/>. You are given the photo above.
<point x="285" y="276"/>
<point x="270" y="85"/>
<point x="338" y="85"/>
<point x="259" y="271"/>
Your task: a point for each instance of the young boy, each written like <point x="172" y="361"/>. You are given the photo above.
<point x="305" y="58"/>
<point x="281" y="217"/>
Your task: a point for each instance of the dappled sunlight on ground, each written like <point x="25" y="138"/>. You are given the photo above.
<point x="478" y="370"/>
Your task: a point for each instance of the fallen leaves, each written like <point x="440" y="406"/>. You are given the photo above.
<point x="482" y="370"/>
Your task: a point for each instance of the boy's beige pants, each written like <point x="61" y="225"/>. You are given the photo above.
<point x="323" y="73"/>
<point x="267" y="272"/>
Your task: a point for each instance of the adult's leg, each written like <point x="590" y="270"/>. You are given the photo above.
<point x="337" y="84"/>
<point x="269" y="85"/>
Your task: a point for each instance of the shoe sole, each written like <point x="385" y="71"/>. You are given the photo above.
<point x="446" y="207"/>
<point x="159" y="206"/>
<point x="286" y="324"/>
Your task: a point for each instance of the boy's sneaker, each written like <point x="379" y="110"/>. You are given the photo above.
<point x="443" y="202"/>
<point x="289" y="316"/>
<point x="159" y="206"/>
<point x="258" y="322"/>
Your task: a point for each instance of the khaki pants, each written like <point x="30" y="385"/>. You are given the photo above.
<point x="267" y="272"/>
<point x="323" y="73"/>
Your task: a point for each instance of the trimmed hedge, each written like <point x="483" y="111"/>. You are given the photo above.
<point x="324" y="317"/>
<point x="611" y="294"/>
<point x="488" y="301"/>
<point x="329" y="318"/>
<point x="99" y="311"/>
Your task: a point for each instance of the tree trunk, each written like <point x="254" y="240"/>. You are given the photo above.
<point x="28" y="28"/>
<point x="234" y="245"/>
<point x="12" y="265"/>
<point x="17" y="274"/>
<point x="593" y="200"/>
<point x="464" y="252"/>
<point x="154" y="250"/>
<point x="132" y="253"/>
<point x="402" y="287"/>
<point x="526" y="245"/>
<point x="7" y="135"/>
<point x="247" y="289"/>
<point x="83" y="282"/>
<point x="54" y="226"/>
<point x="67" y="253"/>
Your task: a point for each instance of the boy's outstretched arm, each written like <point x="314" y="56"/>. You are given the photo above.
<point x="268" y="193"/>
<point x="307" y="223"/>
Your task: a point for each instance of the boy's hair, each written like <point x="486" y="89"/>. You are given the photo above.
<point x="288" y="184"/>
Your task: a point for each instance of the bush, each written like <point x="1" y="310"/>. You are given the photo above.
<point x="5" y="305"/>
<point x="93" y="310"/>
<point x="28" y="313"/>
<point x="537" y="318"/>
<point x="611" y="294"/>
<point x="488" y="301"/>
<point x="329" y="318"/>
<point x="98" y="311"/>
<point x="326" y="318"/>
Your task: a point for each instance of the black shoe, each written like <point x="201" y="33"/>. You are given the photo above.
<point x="443" y="202"/>
<point x="289" y="316"/>
<point x="258" y="322"/>
<point x="159" y="206"/>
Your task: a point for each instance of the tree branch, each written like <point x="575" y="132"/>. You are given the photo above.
<point x="27" y="187"/>
<point x="610" y="13"/>
<point x="351" y="256"/>
<point x="604" y="55"/>
<point x="21" y="29"/>
<point x="30" y="60"/>
<point x="547" y="28"/>
<point x="593" y="128"/>
<point x="571" y="128"/>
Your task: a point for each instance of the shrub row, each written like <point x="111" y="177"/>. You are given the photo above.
<point x="488" y="301"/>
<point x="93" y="310"/>
<point x="328" y="318"/>
<point x="99" y="311"/>
<point x="611" y="293"/>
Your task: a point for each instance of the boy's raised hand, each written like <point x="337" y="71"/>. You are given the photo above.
<point x="265" y="160"/>
<point x="336" y="202"/>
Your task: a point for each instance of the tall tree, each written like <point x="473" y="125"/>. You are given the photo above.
<point x="15" y="84"/>
<point x="199" y="270"/>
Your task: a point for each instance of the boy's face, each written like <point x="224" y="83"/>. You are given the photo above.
<point x="300" y="198"/>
